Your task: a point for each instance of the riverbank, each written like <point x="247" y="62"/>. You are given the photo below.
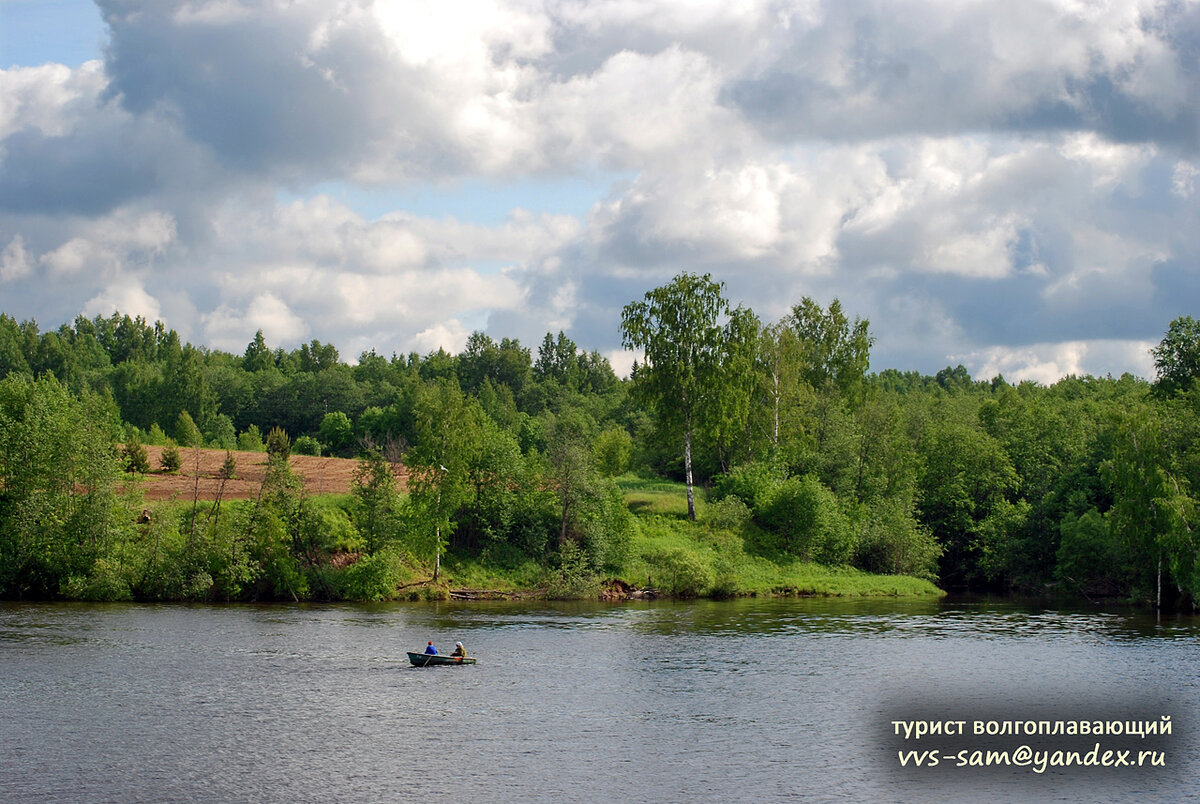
<point x="668" y="556"/>
<point x="308" y="548"/>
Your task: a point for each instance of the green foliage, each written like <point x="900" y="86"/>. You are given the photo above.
<point x="251" y="440"/>
<point x="681" y="572"/>
<point x="612" y="451"/>
<point x="1177" y="356"/>
<point x="832" y="352"/>
<point x="1090" y="556"/>
<point x="306" y="445"/>
<point x="1091" y="481"/>
<point x="892" y="542"/>
<point x="807" y="518"/>
<point x="278" y="443"/>
<point x="373" y="577"/>
<point x="751" y="483"/>
<point x="220" y="433"/>
<point x="229" y="466"/>
<point x="170" y="460"/>
<point x="574" y="576"/>
<point x="156" y="436"/>
<point x="687" y="351"/>
<point x="135" y="458"/>
<point x="337" y="432"/>
<point x="187" y="434"/>
<point x="728" y="513"/>
<point x="376" y="501"/>
<point x="59" y="511"/>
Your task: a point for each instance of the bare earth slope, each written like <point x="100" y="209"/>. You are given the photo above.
<point x="320" y="475"/>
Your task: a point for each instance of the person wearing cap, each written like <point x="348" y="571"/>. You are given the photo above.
<point x="431" y="650"/>
<point x="459" y="651"/>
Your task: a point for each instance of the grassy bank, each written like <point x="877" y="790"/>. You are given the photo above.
<point x="181" y="552"/>
<point x="673" y="556"/>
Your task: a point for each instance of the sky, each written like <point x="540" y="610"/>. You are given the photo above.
<point x="1011" y="186"/>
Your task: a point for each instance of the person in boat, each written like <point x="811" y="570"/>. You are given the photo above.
<point x="459" y="651"/>
<point x="430" y="649"/>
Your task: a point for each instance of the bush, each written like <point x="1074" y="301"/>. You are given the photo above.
<point x="170" y="460"/>
<point x="108" y="581"/>
<point x="307" y="445"/>
<point x="251" y="440"/>
<point x="278" y="443"/>
<point x="730" y="513"/>
<point x="892" y="542"/>
<point x="187" y="434"/>
<point x="156" y="436"/>
<point x="750" y="483"/>
<point x="573" y="578"/>
<point x="807" y="517"/>
<point x="372" y="578"/>
<point x="220" y="433"/>
<point x="135" y="456"/>
<point x="681" y="572"/>
<point x="612" y="451"/>
<point x="337" y="431"/>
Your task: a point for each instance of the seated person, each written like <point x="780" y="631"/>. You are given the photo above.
<point x="459" y="650"/>
<point x="431" y="650"/>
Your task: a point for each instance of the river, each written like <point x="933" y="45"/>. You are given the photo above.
<point x="773" y="700"/>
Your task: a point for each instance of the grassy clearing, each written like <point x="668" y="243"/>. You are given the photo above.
<point x="686" y="558"/>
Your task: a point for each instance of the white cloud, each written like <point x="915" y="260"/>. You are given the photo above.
<point x="1048" y="362"/>
<point x="14" y="260"/>
<point x="127" y="297"/>
<point x="232" y="329"/>
<point x="970" y="176"/>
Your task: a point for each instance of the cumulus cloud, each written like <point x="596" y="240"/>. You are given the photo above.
<point x="1007" y="185"/>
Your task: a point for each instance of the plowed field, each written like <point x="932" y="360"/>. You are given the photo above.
<point x="201" y="474"/>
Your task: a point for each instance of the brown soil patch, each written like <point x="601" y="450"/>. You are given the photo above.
<point x="320" y="475"/>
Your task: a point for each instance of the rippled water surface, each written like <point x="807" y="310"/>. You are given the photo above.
<point x="771" y="700"/>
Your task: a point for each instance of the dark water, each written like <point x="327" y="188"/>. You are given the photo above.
<point x="770" y="700"/>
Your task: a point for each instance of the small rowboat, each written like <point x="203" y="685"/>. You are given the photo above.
<point x="431" y="659"/>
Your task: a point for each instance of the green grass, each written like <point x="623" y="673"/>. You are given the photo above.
<point x="690" y="558"/>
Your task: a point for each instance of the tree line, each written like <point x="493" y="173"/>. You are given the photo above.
<point x="1086" y="485"/>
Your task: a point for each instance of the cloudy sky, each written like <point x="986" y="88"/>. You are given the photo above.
<point x="1008" y="185"/>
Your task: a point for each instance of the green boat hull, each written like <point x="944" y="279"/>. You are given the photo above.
<point x="433" y="660"/>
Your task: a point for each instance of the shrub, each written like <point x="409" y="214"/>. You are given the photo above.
<point x="307" y="445"/>
<point x="806" y="515"/>
<point x="337" y="431"/>
<point x="892" y="542"/>
<point x="187" y="434"/>
<point x="251" y="440"/>
<point x="278" y="443"/>
<point x="156" y="436"/>
<point x="612" y="451"/>
<point x="730" y="513"/>
<point x="682" y="572"/>
<point x="170" y="460"/>
<point x="372" y="578"/>
<point x="134" y="454"/>
<point x="220" y="433"/>
<point x="750" y="483"/>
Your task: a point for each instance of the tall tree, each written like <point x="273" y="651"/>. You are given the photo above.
<point x="1177" y="356"/>
<point x="684" y="330"/>
<point x="834" y="352"/>
<point x="437" y="462"/>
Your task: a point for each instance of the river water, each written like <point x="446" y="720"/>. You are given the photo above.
<point x="775" y="700"/>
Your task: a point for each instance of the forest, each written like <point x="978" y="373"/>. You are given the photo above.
<point x="787" y="446"/>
